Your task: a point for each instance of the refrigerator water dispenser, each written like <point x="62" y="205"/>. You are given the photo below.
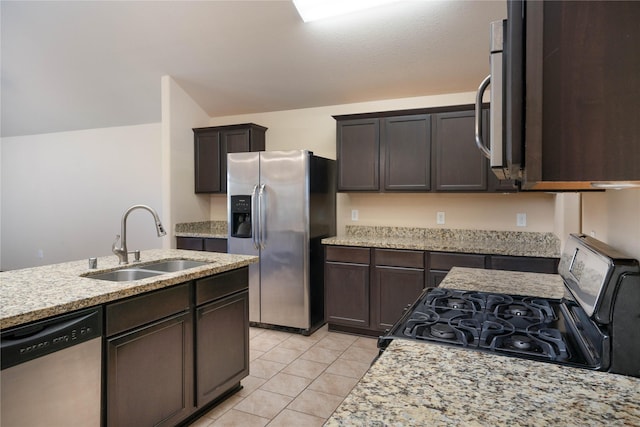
<point x="241" y="216"/>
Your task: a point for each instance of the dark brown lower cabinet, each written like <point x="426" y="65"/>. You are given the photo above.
<point x="150" y="365"/>
<point x="369" y="299"/>
<point x="154" y="361"/>
<point x="524" y="263"/>
<point x="368" y="289"/>
<point x="208" y="244"/>
<point x="441" y="262"/>
<point x="398" y="279"/>
<point x="347" y="286"/>
<point x="222" y="345"/>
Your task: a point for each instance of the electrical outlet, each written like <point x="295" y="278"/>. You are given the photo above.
<point x="354" y="214"/>
<point x="440" y="218"/>
<point x="521" y="219"/>
<point x="40" y="254"/>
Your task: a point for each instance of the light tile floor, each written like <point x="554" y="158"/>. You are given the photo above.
<point x="294" y="380"/>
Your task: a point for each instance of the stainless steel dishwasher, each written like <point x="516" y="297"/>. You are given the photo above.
<point x="51" y="372"/>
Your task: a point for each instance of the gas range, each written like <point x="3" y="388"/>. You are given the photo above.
<point x="594" y="326"/>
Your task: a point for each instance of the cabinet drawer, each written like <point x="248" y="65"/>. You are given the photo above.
<point x="348" y="254"/>
<point x="220" y="285"/>
<point x="398" y="258"/>
<point x="140" y="310"/>
<point x="189" y="243"/>
<point x="445" y="261"/>
<point x="215" y="245"/>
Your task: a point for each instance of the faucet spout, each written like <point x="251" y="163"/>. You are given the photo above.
<point x="122" y="252"/>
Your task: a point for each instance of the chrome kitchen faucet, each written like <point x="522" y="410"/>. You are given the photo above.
<point x="121" y="252"/>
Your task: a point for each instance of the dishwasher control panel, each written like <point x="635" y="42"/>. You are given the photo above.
<point x="37" y="339"/>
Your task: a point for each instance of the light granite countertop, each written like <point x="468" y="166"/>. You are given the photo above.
<point x="205" y="229"/>
<point x="513" y="243"/>
<point x="36" y="293"/>
<point x="415" y="383"/>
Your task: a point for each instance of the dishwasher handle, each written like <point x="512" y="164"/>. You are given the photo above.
<point x="24" y="343"/>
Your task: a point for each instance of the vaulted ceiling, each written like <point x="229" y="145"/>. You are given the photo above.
<point x="70" y="65"/>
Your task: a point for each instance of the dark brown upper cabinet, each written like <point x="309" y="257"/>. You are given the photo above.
<point x="405" y="151"/>
<point x="211" y="146"/>
<point x="582" y="90"/>
<point x="458" y="165"/>
<point x="358" y="152"/>
<point x="384" y="154"/>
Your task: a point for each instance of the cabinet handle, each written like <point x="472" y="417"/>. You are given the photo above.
<point x="481" y="145"/>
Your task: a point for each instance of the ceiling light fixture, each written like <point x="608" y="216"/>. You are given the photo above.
<point x="313" y="10"/>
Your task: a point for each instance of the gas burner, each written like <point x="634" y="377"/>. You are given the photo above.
<point x="521" y="342"/>
<point x="456" y="303"/>
<point x="440" y="330"/>
<point x="518" y="310"/>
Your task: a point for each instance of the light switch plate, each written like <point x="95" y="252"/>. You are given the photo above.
<point x="440" y="218"/>
<point x="354" y="214"/>
<point x="521" y="219"/>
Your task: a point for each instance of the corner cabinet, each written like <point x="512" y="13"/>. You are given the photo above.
<point x="211" y="146"/>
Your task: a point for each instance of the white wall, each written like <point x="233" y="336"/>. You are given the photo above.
<point x="64" y="193"/>
<point x="180" y="114"/>
<point x="315" y="129"/>
<point x="613" y="216"/>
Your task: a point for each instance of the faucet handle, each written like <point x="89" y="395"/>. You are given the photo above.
<point x="114" y="248"/>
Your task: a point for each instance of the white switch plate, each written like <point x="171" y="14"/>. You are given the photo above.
<point x="440" y="218"/>
<point x="354" y="214"/>
<point x="521" y="219"/>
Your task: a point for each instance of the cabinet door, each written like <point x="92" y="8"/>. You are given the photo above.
<point x="207" y="161"/>
<point x="347" y="294"/>
<point x="583" y="91"/>
<point x="459" y="165"/>
<point x="407" y="153"/>
<point x="150" y="374"/>
<point x="358" y="150"/>
<point x="232" y="141"/>
<point x="222" y="346"/>
<point x="393" y="289"/>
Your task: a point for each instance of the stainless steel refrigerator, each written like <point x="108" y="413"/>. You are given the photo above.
<point x="280" y="205"/>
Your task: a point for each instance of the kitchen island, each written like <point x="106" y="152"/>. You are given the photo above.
<point x="165" y="348"/>
<point x="36" y="293"/>
<point x="414" y="383"/>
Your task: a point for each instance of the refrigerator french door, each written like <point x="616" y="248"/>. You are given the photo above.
<point x="280" y="205"/>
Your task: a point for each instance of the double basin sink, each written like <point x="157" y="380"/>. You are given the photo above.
<point x="129" y="273"/>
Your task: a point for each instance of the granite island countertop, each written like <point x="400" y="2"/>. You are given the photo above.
<point x="36" y="293"/>
<point x="415" y="383"/>
<point x="512" y="243"/>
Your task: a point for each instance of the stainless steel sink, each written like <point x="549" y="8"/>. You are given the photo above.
<point x="148" y="270"/>
<point x="125" y="275"/>
<point x="172" y="265"/>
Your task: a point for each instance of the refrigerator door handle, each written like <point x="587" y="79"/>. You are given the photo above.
<point x="254" y="216"/>
<point x="263" y="217"/>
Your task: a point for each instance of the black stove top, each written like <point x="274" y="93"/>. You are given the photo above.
<point x="528" y="327"/>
